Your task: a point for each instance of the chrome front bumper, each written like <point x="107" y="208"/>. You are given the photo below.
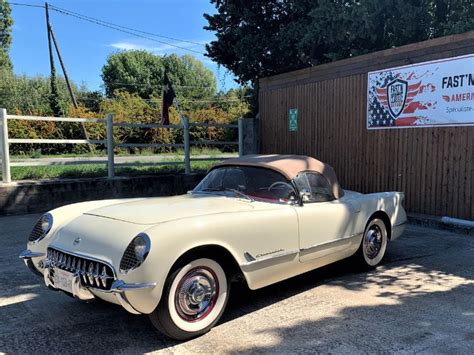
<point x="85" y="293"/>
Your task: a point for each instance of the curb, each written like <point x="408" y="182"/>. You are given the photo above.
<point x="435" y="222"/>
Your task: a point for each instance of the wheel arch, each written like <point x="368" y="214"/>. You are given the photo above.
<point x="385" y="219"/>
<point x="216" y="252"/>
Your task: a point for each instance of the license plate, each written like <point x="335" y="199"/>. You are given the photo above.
<point x="63" y="280"/>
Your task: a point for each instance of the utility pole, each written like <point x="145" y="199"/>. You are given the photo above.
<point x="54" y="103"/>
<point x="63" y="67"/>
<point x="66" y="78"/>
<point x="50" y="48"/>
<point x="162" y="93"/>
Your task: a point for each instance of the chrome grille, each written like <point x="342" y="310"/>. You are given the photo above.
<point x="37" y="232"/>
<point x="129" y="259"/>
<point x="93" y="273"/>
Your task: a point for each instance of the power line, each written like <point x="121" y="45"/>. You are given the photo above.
<point x="116" y="28"/>
<point x="26" y="5"/>
<point x="125" y="27"/>
<point x="119" y="28"/>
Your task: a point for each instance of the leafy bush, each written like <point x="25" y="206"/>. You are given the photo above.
<point x="125" y="107"/>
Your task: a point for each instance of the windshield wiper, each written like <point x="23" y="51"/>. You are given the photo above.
<point x="217" y="189"/>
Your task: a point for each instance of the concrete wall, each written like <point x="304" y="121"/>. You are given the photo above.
<point x="31" y="197"/>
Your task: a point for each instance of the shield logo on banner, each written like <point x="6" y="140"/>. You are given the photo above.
<point x="396" y="96"/>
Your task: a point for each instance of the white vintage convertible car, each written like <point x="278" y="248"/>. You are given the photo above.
<point x="259" y="218"/>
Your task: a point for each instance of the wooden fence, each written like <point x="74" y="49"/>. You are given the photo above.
<point x="109" y="143"/>
<point x="433" y="166"/>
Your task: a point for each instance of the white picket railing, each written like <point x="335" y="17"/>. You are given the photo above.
<point x="185" y="125"/>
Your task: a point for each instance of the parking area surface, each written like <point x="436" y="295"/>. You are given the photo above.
<point x="420" y="300"/>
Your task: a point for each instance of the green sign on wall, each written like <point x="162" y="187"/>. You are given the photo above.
<point x="293" y="119"/>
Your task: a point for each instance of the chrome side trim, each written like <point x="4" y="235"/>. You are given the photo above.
<point x="271" y="257"/>
<point x="248" y="256"/>
<point x="28" y="254"/>
<point x="331" y="241"/>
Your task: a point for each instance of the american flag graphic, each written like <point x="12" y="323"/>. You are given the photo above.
<point x="379" y="113"/>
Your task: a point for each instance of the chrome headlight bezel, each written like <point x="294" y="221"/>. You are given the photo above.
<point x="135" y="253"/>
<point x="41" y="229"/>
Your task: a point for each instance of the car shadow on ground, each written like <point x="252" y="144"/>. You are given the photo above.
<point x="397" y="327"/>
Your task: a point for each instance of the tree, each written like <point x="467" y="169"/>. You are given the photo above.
<point x="30" y="95"/>
<point x="6" y="23"/>
<point x="142" y="72"/>
<point x="258" y="38"/>
<point x="90" y="99"/>
<point x="451" y="16"/>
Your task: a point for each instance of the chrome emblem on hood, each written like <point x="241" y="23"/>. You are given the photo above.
<point x="76" y="241"/>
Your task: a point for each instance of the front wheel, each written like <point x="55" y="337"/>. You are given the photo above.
<point x="193" y="300"/>
<point x="374" y="243"/>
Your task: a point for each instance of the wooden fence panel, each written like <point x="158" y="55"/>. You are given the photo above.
<point x="433" y="166"/>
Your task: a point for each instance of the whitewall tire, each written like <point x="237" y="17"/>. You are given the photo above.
<point x="374" y="243"/>
<point x="194" y="299"/>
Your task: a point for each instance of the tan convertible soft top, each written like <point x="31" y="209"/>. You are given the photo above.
<point x="289" y="166"/>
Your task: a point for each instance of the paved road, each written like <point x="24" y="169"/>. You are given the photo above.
<point x="421" y="300"/>
<point x="158" y="158"/>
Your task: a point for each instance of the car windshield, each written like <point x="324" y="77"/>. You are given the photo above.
<point x="247" y="182"/>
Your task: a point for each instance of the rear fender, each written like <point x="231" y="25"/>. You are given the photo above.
<point x="388" y="202"/>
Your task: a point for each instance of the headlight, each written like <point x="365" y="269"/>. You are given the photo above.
<point x="41" y="228"/>
<point x="136" y="253"/>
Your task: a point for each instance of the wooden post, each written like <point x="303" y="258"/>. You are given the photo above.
<point x="187" y="148"/>
<point x="110" y="146"/>
<point x="50" y="47"/>
<point x="63" y="67"/>
<point x="241" y="137"/>
<point x="54" y="96"/>
<point x="6" y="176"/>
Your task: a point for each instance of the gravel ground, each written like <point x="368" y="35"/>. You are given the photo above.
<point x="420" y="300"/>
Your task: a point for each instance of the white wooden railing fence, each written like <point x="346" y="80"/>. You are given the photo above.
<point x="185" y="125"/>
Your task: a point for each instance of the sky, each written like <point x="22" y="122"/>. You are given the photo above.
<point x="85" y="46"/>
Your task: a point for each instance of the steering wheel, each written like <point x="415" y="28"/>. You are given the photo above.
<point x="280" y="183"/>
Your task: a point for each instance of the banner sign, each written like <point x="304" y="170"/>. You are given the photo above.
<point x="435" y="93"/>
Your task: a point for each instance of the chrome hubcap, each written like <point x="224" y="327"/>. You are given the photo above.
<point x="373" y="241"/>
<point x="196" y="294"/>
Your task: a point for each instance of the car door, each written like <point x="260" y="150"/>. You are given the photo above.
<point x="324" y="222"/>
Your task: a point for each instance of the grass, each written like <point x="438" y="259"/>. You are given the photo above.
<point x="213" y="152"/>
<point x="98" y="170"/>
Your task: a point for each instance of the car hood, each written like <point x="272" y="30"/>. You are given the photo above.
<point x="163" y="209"/>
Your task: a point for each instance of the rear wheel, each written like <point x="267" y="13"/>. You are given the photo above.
<point x="194" y="298"/>
<point x="374" y="243"/>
